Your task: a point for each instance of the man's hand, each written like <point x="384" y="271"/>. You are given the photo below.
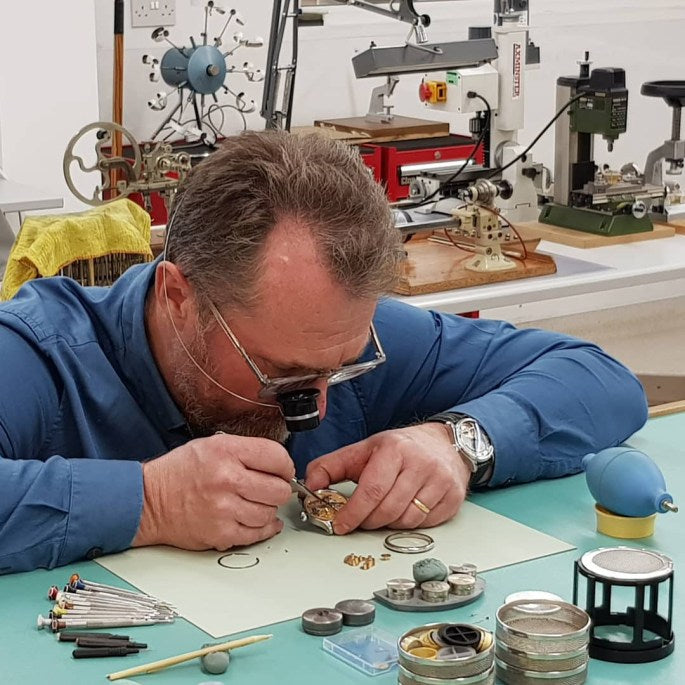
<point x="391" y="469"/>
<point x="215" y="493"/>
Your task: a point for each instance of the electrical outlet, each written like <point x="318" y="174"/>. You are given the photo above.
<point x="153" y="13"/>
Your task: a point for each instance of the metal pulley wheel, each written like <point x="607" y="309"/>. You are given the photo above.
<point x="129" y="169"/>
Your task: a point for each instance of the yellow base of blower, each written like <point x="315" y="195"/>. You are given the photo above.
<point x="627" y="527"/>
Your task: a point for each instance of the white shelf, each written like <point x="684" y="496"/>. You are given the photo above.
<point x="16" y="197"/>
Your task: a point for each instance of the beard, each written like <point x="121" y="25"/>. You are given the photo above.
<point x="201" y="405"/>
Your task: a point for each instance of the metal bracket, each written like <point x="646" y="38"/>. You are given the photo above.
<point x="378" y="111"/>
<point x="402" y="10"/>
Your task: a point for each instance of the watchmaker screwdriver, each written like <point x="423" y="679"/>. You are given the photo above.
<point x="299" y="486"/>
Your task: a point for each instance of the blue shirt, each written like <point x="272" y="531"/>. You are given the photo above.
<point x="82" y="404"/>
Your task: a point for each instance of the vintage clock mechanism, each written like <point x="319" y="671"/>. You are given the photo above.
<point x="321" y="507"/>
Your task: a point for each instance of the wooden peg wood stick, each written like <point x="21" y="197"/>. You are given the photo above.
<point x="160" y="665"/>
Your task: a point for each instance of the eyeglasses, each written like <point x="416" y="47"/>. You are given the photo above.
<point x="273" y="386"/>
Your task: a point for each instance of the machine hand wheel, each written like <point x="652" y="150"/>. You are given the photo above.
<point x="129" y="169"/>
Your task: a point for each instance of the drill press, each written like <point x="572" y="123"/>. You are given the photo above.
<point x="586" y="198"/>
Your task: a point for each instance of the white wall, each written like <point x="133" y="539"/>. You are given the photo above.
<point x="49" y="72"/>
<point x="646" y="38"/>
<point x="48" y="87"/>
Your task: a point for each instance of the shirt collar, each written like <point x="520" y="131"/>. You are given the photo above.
<point x="138" y="363"/>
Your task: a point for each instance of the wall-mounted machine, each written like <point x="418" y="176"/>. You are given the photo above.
<point x="197" y="74"/>
<point x="587" y="198"/>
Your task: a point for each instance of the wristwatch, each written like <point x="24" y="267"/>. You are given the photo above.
<point x="472" y="443"/>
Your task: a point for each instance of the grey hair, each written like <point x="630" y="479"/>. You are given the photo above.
<point x="229" y="204"/>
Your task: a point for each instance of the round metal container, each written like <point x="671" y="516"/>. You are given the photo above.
<point x="434" y="591"/>
<point x="467" y="569"/>
<point x="400" y="588"/>
<point x="461" y="584"/>
<point x="516" y="676"/>
<point x="542" y="626"/>
<point x="444" y="671"/>
<point x="322" y="621"/>
<point x="529" y="661"/>
<point x="406" y="677"/>
<point x="356" y="612"/>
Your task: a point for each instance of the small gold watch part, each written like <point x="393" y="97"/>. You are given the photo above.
<point x="426" y="639"/>
<point x="326" y="508"/>
<point x="485" y="641"/>
<point x="410" y="642"/>
<point x="352" y="560"/>
<point x="385" y="557"/>
<point x="367" y="563"/>
<point x="424" y="652"/>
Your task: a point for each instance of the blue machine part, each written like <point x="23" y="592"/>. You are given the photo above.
<point x="627" y="482"/>
<point x="201" y="69"/>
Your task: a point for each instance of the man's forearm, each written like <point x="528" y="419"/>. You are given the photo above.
<point x="62" y="510"/>
<point x="544" y="419"/>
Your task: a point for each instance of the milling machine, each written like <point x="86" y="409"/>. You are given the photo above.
<point x="587" y="198"/>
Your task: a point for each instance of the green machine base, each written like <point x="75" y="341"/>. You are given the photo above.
<point x="593" y="221"/>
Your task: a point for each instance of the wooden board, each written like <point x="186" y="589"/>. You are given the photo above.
<point x="667" y="409"/>
<point x="572" y="238"/>
<point x="432" y="267"/>
<point x="400" y="128"/>
<point x="678" y="224"/>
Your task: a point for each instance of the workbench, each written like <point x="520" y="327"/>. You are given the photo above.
<point x="580" y="272"/>
<point x="562" y="508"/>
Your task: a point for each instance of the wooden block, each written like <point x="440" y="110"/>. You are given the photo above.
<point x="327" y="132"/>
<point x="667" y="409"/>
<point x="662" y="389"/>
<point x="572" y="238"/>
<point x="400" y="128"/>
<point x="432" y="267"/>
<point x="678" y="224"/>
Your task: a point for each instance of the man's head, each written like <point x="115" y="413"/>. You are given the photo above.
<point x="293" y="242"/>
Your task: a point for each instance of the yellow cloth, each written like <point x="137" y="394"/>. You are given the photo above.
<point x="47" y="243"/>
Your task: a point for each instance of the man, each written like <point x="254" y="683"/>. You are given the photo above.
<point x="147" y="413"/>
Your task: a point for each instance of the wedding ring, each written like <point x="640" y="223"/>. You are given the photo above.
<point x="421" y="505"/>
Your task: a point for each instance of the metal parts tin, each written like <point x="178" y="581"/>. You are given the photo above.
<point x="322" y="621"/>
<point x="445" y="671"/>
<point x="434" y="591"/>
<point x="400" y="588"/>
<point x="461" y="584"/>
<point x="356" y="612"/>
<point x="407" y="677"/>
<point x="467" y="569"/>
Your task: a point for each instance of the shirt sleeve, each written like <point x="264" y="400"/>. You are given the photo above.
<point x="544" y="399"/>
<point x="53" y="510"/>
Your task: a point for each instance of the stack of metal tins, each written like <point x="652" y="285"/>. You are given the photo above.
<point x="541" y="642"/>
<point x="446" y="654"/>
